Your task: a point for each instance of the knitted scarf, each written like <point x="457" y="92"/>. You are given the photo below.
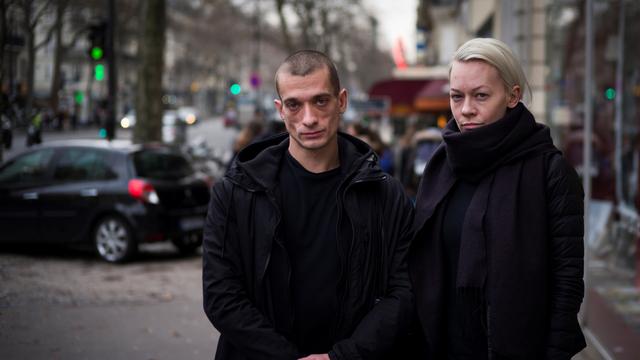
<point x="498" y="219"/>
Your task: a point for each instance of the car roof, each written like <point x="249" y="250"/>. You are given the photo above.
<point x="123" y="146"/>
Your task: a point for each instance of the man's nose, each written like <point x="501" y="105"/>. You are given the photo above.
<point x="309" y="117"/>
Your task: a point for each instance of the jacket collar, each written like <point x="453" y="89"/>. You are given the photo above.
<point x="257" y="165"/>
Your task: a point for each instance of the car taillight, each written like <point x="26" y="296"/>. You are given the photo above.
<point x="143" y="191"/>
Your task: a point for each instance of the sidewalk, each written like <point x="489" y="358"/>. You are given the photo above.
<point x="613" y="311"/>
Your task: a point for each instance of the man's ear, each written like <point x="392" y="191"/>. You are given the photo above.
<point x="342" y="100"/>
<point x="278" y="104"/>
<point x="514" y="96"/>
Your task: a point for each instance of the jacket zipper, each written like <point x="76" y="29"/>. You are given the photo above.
<point x="345" y="264"/>
<point x="278" y="242"/>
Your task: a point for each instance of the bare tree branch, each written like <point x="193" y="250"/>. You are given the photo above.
<point x="38" y="15"/>
<point x="46" y="39"/>
<point x="80" y="32"/>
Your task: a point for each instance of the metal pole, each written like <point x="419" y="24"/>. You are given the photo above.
<point x="256" y="56"/>
<point x="586" y="146"/>
<point x="618" y="98"/>
<point x="112" y="72"/>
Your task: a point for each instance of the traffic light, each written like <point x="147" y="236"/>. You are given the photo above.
<point x="610" y="93"/>
<point x="235" y="89"/>
<point x="97" y="41"/>
<point x="78" y="96"/>
<point x="98" y="72"/>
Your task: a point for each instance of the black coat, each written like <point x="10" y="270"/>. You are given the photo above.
<point x="531" y="230"/>
<point x="243" y="252"/>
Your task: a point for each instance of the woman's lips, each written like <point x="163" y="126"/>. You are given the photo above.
<point x="471" y="125"/>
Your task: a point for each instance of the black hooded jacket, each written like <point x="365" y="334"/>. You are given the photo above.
<point x="245" y="262"/>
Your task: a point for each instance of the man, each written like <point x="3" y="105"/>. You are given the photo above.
<point x="306" y="238"/>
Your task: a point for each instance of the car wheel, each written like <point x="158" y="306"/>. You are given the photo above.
<point x="114" y="240"/>
<point x="187" y="244"/>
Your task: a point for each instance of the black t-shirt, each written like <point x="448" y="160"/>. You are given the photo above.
<point x="309" y="223"/>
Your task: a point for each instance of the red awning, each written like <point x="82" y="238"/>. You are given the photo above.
<point x="401" y="92"/>
<point x="434" y="96"/>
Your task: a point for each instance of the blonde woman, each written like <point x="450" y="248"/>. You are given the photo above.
<point x="497" y="259"/>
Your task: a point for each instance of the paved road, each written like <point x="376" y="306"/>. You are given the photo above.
<point x="67" y="304"/>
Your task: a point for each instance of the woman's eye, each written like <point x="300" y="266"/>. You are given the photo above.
<point x="482" y="96"/>
<point x="456" y="97"/>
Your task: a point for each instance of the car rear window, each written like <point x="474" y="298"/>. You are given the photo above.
<point x="161" y="165"/>
<point x="81" y="164"/>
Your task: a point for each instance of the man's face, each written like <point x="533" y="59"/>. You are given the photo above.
<point x="310" y="109"/>
<point x="478" y="96"/>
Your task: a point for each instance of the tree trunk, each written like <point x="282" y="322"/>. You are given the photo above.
<point x="31" y="60"/>
<point x="284" y="26"/>
<point x="57" y="56"/>
<point x="150" y="68"/>
<point x="3" y="40"/>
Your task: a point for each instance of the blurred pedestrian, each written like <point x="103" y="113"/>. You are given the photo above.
<point x="230" y="117"/>
<point x="373" y="139"/>
<point x="34" y="130"/>
<point x="250" y="132"/>
<point x="306" y="238"/>
<point x="497" y="262"/>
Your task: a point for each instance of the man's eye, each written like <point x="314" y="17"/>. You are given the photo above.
<point x="322" y="101"/>
<point x="292" y="106"/>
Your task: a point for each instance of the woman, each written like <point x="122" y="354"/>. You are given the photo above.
<point x="497" y="260"/>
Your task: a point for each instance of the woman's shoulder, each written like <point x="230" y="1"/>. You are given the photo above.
<point x="560" y="173"/>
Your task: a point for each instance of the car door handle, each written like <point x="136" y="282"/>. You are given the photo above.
<point x="89" y="192"/>
<point x="30" y="196"/>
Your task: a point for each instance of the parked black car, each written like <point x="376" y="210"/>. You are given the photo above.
<point x="113" y="195"/>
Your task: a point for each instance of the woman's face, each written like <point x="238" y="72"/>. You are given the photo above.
<point x="478" y="96"/>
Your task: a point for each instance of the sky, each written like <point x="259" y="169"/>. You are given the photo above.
<point x="397" y="19"/>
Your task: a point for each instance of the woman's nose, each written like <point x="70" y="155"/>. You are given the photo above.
<point x="467" y="107"/>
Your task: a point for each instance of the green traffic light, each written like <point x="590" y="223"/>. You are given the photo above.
<point x="102" y="133"/>
<point x="610" y="93"/>
<point x="78" y="97"/>
<point x="97" y="53"/>
<point x="98" y="72"/>
<point x="235" y="89"/>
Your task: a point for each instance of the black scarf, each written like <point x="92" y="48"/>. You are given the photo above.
<point x="475" y="156"/>
<point x="505" y="160"/>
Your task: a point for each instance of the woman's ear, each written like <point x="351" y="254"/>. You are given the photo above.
<point x="514" y="96"/>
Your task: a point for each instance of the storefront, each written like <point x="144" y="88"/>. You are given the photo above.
<point x="611" y="312"/>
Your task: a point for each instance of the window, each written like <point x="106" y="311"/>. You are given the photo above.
<point x="28" y="168"/>
<point x="77" y="164"/>
<point x="161" y="165"/>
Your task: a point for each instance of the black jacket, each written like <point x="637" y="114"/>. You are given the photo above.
<point x="528" y="231"/>
<point x="243" y="254"/>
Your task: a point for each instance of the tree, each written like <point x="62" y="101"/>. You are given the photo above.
<point x="65" y="9"/>
<point x="344" y="30"/>
<point x="4" y="38"/>
<point x="284" y="26"/>
<point x="150" y="69"/>
<point x="33" y="11"/>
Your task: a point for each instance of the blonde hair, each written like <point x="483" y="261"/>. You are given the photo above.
<point x="499" y="55"/>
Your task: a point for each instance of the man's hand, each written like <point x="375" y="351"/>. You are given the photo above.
<point x="316" y="357"/>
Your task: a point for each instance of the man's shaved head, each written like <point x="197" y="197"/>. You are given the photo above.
<point x="304" y="62"/>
